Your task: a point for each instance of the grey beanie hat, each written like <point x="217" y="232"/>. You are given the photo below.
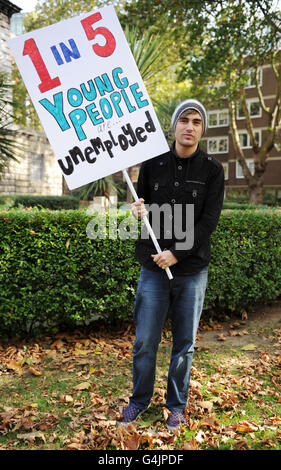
<point x="190" y="104"/>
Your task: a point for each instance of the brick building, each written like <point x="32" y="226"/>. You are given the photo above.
<point x="218" y="140"/>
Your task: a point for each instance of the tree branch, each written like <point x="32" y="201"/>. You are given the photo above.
<point x="249" y="124"/>
<point x="236" y="142"/>
<point x="276" y="112"/>
<point x="268" y="16"/>
<point x="261" y="99"/>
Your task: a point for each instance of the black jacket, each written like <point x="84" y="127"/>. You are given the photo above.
<point x="169" y="179"/>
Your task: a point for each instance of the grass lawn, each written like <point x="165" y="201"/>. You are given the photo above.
<point x="68" y="392"/>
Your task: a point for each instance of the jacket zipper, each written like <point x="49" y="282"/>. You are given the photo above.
<point x="199" y="182"/>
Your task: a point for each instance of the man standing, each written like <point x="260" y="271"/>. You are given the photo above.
<point x="185" y="175"/>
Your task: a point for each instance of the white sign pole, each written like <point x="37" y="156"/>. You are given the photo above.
<point x="146" y="221"/>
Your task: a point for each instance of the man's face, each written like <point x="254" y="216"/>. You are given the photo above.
<point x="189" y="129"/>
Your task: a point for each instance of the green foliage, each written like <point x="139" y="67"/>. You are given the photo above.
<point x="23" y="109"/>
<point x="237" y="199"/>
<point x="47" y="202"/>
<point x="100" y="187"/>
<point x="245" y="267"/>
<point x="230" y="37"/>
<point x="9" y="149"/>
<point x="214" y="36"/>
<point x="53" y="276"/>
<point x="52" y="11"/>
<point x="147" y="50"/>
<point x="241" y="206"/>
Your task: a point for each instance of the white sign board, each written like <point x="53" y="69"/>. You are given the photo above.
<point x="89" y="95"/>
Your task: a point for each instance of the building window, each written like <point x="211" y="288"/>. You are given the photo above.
<point x="245" y="142"/>
<point x="254" y="108"/>
<point x="251" y="82"/>
<point x="218" y="145"/>
<point x="225" y="167"/>
<point x="218" y="118"/>
<point x="16" y="24"/>
<point x="37" y="167"/>
<point x="251" y="165"/>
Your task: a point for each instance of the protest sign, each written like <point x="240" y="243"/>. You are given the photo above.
<point x="89" y="95"/>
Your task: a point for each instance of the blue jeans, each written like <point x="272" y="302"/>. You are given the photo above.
<point x="157" y="296"/>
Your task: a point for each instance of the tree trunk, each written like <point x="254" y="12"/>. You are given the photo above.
<point x="107" y="193"/>
<point x="256" y="194"/>
<point x="256" y="185"/>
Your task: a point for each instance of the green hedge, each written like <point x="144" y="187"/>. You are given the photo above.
<point x="53" y="276"/>
<point x="40" y="201"/>
<point x="242" y="205"/>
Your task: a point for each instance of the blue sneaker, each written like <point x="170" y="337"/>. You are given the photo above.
<point x="130" y="414"/>
<point x="174" y="420"/>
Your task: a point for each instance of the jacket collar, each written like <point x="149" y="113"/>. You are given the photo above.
<point x="193" y="155"/>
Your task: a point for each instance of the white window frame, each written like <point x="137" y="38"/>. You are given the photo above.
<point x="244" y="131"/>
<point x="226" y="170"/>
<point x="249" y="161"/>
<point x="217" y="113"/>
<point x="249" y="101"/>
<point x="217" y="139"/>
<point x="252" y="70"/>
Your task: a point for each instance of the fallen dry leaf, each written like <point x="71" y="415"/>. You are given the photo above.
<point x="241" y="444"/>
<point x="83" y="386"/>
<point x="14" y="365"/>
<point x="275" y="420"/>
<point x="67" y="398"/>
<point x="96" y="399"/>
<point x="57" y="344"/>
<point x="221" y="337"/>
<point x="189" y="445"/>
<point x="131" y="442"/>
<point x="74" y="446"/>
<point x="207" y="405"/>
<point x="35" y="371"/>
<point x="244" y="315"/>
<point x="80" y="352"/>
<point x="32" y="436"/>
<point x="249" y="347"/>
<point x="200" y="436"/>
<point x="211" y="422"/>
<point x="195" y="384"/>
<point x="215" y="398"/>
<point x="246" y="426"/>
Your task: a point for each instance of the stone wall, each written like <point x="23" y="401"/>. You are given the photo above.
<point x="36" y="172"/>
<point x="5" y="56"/>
